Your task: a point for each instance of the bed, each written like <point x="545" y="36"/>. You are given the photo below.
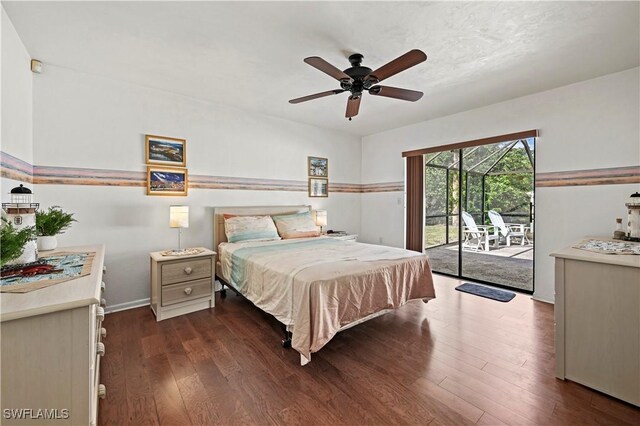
<point x="318" y="286"/>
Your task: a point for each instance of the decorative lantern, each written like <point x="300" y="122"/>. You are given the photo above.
<point x="633" y="220"/>
<point x="21" y="212"/>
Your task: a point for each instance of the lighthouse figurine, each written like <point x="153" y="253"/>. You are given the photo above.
<point x="21" y="212"/>
<point x="633" y="220"/>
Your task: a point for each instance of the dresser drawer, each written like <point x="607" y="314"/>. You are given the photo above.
<point x="183" y="292"/>
<point x="187" y="270"/>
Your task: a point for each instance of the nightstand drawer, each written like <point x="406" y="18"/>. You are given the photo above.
<point x="187" y="270"/>
<point x="177" y="293"/>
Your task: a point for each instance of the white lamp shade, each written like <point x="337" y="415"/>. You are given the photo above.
<point x="319" y="217"/>
<point x="179" y="216"/>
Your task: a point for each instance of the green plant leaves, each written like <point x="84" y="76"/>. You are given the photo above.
<point x="54" y="221"/>
<point x="12" y="241"/>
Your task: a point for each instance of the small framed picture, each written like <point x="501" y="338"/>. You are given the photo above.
<point x="318" y="167"/>
<point x="167" y="181"/>
<point x="165" y="151"/>
<point x="318" y="187"/>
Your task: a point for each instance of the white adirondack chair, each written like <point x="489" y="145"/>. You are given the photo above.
<point x="509" y="230"/>
<point x="476" y="237"/>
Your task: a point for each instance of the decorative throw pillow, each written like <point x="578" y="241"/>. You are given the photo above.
<point x="298" y="225"/>
<point x="250" y="228"/>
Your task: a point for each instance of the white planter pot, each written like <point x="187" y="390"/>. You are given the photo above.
<point x="48" y="242"/>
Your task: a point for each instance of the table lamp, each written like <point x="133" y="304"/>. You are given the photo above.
<point x="320" y="218"/>
<point x="179" y="218"/>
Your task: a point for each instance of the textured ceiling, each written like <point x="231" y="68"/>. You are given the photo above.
<point x="249" y="54"/>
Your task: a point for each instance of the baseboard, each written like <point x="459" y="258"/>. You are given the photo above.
<point x="542" y="299"/>
<point x="127" y="305"/>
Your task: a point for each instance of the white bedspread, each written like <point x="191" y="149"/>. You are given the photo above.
<point x="316" y="286"/>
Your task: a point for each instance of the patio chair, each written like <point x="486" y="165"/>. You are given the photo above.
<point x="476" y="237"/>
<point x="509" y="230"/>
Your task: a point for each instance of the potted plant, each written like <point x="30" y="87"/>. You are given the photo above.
<point x="50" y="223"/>
<point x="12" y="241"/>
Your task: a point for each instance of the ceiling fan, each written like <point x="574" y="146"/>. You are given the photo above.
<point x="357" y="79"/>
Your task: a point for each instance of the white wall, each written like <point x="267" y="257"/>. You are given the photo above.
<point x="587" y="125"/>
<point x="78" y="120"/>
<point x="93" y="122"/>
<point x="16" y="105"/>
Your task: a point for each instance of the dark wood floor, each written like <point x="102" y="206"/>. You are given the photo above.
<point x="460" y="359"/>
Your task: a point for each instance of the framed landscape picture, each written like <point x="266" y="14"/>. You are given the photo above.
<point x="165" y="151"/>
<point x="318" y="187"/>
<point x="318" y="167"/>
<point x="167" y="181"/>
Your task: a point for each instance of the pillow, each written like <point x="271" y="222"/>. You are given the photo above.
<point x="297" y="225"/>
<point x="250" y="228"/>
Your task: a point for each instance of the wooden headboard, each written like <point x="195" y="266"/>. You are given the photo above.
<point x="218" y="217"/>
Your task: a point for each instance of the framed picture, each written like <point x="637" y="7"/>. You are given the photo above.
<point x="165" y="151"/>
<point x="318" y="167"/>
<point x="318" y="187"/>
<point x="167" y="181"/>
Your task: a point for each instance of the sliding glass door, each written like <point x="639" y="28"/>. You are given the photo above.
<point x="479" y="212"/>
<point x="442" y="213"/>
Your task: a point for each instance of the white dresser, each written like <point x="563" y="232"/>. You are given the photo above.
<point x="597" y="313"/>
<point x="51" y="349"/>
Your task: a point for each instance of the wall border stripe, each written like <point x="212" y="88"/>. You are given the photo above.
<point x="51" y="175"/>
<point x="47" y="175"/>
<point x="383" y="187"/>
<point x="14" y="168"/>
<point x="17" y="169"/>
<point x="608" y="176"/>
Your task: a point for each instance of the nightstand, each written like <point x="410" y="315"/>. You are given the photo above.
<point x="344" y="237"/>
<point x="181" y="284"/>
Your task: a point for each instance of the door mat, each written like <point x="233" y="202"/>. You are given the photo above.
<point x="488" y="292"/>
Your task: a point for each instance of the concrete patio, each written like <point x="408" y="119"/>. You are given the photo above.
<point x="509" y="266"/>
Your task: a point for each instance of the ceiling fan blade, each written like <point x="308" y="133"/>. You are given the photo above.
<point x="315" y="96"/>
<point x="409" y="59"/>
<point x="396" y="93"/>
<point x="353" y="106"/>
<point x="327" y="68"/>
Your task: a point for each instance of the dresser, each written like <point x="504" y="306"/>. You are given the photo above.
<point x="597" y="321"/>
<point x="51" y="350"/>
<point x="181" y="284"/>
